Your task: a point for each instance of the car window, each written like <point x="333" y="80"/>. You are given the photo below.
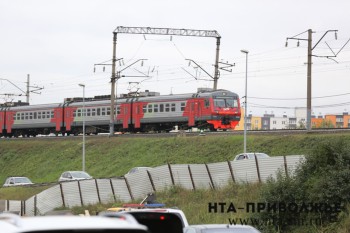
<point x="80" y="175"/>
<point x="240" y="157"/>
<point x="22" y="180"/>
<point x="159" y="222"/>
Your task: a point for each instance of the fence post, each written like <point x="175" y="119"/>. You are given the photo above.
<point x="62" y="195"/>
<point x="98" y="191"/>
<point x="211" y="179"/>
<point x="110" y="181"/>
<point x="285" y="165"/>
<point x="128" y="186"/>
<point x="194" y="186"/>
<point x="231" y="171"/>
<point x="257" y="168"/>
<point x="35" y="208"/>
<point x="81" y="196"/>
<point x="171" y="174"/>
<point x="151" y="180"/>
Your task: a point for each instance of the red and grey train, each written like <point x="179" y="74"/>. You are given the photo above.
<point x="219" y="109"/>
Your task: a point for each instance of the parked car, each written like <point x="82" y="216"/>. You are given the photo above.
<point x="77" y="224"/>
<point x="222" y="228"/>
<point x="74" y="175"/>
<point x="159" y="220"/>
<point x="250" y="155"/>
<point x="17" y="181"/>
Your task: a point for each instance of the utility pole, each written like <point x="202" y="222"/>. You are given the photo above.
<point x="309" y="89"/>
<point x="114" y="60"/>
<point x="27" y="93"/>
<point x="310" y="48"/>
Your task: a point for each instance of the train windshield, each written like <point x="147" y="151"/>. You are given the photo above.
<point x="226" y="102"/>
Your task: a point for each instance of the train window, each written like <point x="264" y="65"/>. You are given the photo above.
<point x="167" y="107"/>
<point x="206" y="103"/>
<point x="150" y="108"/>
<point x="144" y="108"/>
<point x="173" y="107"/>
<point x="39" y="115"/>
<point x="155" y="108"/>
<point x="35" y="115"/>
<point x="27" y="115"/>
<point x="88" y="112"/>
<point x="30" y="115"/>
<point x="108" y="111"/>
<point x="48" y="114"/>
<point x="118" y="110"/>
<point x="52" y="114"/>
<point x="103" y="111"/>
<point x="79" y="112"/>
<point x="98" y="112"/>
<point x="183" y="105"/>
<point x="93" y="112"/>
<point x="161" y="108"/>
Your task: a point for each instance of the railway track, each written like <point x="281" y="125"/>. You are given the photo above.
<point x="204" y="133"/>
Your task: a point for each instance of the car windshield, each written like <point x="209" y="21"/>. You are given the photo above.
<point x="22" y="180"/>
<point x="226" y="102"/>
<point x="80" y="175"/>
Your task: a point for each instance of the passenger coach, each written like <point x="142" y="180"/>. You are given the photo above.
<point x="146" y="112"/>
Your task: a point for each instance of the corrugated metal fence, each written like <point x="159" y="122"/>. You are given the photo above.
<point x="138" y="185"/>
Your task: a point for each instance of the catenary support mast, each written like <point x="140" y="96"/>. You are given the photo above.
<point x="157" y="31"/>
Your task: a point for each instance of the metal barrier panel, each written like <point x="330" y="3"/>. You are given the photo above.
<point x="121" y="190"/>
<point x="105" y="190"/>
<point x="161" y="177"/>
<point x="29" y="206"/>
<point x="293" y="162"/>
<point x="89" y="192"/>
<point x="182" y="176"/>
<point x="200" y="176"/>
<point x="14" y="206"/>
<point x="71" y="193"/>
<point x="48" y="200"/>
<point x="139" y="183"/>
<point x="269" y="167"/>
<point x="2" y="205"/>
<point x="245" y="171"/>
<point x="220" y="173"/>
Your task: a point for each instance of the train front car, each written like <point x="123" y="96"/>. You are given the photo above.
<point x="225" y="110"/>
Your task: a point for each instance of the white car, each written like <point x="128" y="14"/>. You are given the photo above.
<point x="63" y="224"/>
<point x="222" y="228"/>
<point x="137" y="169"/>
<point x="244" y="156"/>
<point x="74" y="175"/>
<point x="17" y="181"/>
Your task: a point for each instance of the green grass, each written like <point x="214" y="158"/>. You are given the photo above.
<point x="43" y="160"/>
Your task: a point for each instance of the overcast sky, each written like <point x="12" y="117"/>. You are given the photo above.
<point x="58" y="42"/>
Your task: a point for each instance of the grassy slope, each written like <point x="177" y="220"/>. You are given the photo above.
<point x="43" y="160"/>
